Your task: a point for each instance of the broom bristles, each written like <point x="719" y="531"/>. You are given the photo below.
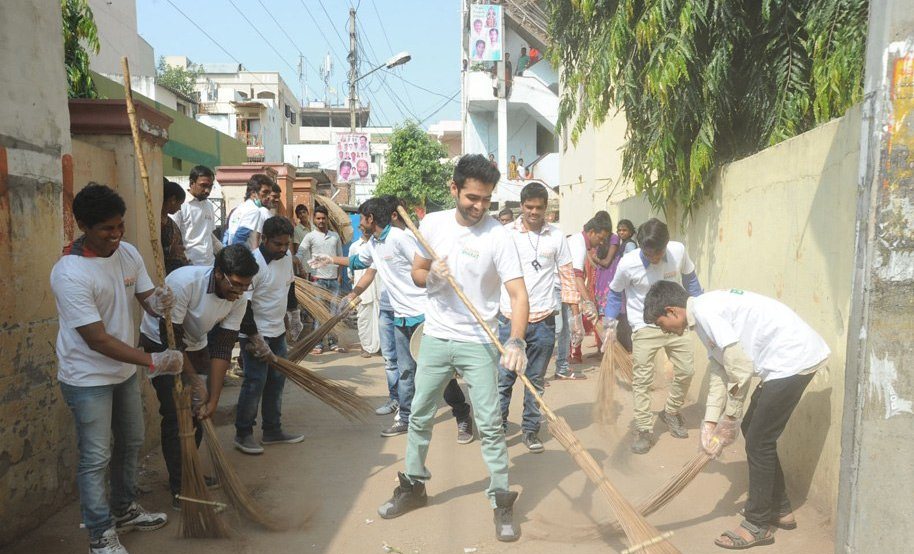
<point x="198" y="519"/>
<point x="616" y="362"/>
<point x="339" y="397"/>
<point x="235" y="490"/>
<point x="302" y="347"/>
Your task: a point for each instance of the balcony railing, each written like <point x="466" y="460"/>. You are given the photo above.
<point x="250" y="139"/>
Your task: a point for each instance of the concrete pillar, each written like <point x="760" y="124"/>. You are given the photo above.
<point x="502" y="156"/>
<point x="877" y="474"/>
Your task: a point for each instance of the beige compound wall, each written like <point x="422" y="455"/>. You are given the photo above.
<point x="780" y="223"/>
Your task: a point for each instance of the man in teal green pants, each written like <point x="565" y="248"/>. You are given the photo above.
<point x="481" y="256"/>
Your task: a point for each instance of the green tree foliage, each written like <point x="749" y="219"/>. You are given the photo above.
<point x="414" y="169"/>
<point x="704" y="82"/>
<point x="80" y="36"/>
<point x="177" y="78"/>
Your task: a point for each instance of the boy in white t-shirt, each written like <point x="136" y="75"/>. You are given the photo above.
<point x="206" y="299"/>
<point x="746" y="334"/>
<point x="477" y="251"/>
<point x="390" y="251"/>
<point x="658" y="259"/>
<point x="97" y="364"/>
<point x="245" y="223"/>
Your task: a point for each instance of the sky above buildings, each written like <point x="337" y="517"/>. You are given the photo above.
<point x="425" y="89"/>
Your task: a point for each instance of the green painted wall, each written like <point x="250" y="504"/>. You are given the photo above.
<point x="189" y="141"/>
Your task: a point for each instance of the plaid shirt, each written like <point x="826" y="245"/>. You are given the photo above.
<point x="172" y="246"/>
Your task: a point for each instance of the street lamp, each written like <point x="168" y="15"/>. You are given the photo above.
<point x="398" y="59"/>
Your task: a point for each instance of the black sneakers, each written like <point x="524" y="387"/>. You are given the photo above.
<point x="643" y="442"/>
<point x="407" y="497"/>
<point x="533" y="442"/>
<point x="398" y="428"/>
<point x="675" y="423"/>
<point x="505" y="529"/>
<point x="464" y="431"/>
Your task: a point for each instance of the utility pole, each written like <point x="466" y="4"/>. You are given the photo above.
<point x="352" y="69"/>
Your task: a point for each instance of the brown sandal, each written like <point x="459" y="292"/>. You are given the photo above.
<point x="760" y="537"/>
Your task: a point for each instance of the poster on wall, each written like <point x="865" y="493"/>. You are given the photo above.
<point x="353" y="152"/>
<point x="486" y="33"/>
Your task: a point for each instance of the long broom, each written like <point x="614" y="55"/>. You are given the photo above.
<point x="199" y="518"/>
<point x="641" y="534"/>
<point x="616" y="363"/>
<point x="339" y="397"/>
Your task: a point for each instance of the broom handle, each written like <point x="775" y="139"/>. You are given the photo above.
<point x="550" y="415"/>
<point x="144" y="177"/>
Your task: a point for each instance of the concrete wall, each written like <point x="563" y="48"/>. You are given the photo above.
<point x="37" y="469"/>
<point x="117" y="36"/>
<point x="781" y="223"/>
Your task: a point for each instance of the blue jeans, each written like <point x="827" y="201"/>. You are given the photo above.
<point x="563" y="335"/>
<point x="389" y="352"/>
<point x="333" y="286"/>
<point x="540" y="340"/>
<point x="100" y="412"/>
<point x="261" y="382"/>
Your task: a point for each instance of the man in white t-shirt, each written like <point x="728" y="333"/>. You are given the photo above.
<point x="390" y="252"/>
<point x="658" y="259"/>
<point x="746" y="334"/>
<point x="197" y="218"/>
<point x="481" y="257"/>
<point x="97" y="364"/>
<point x="272" y="312"/>
<point x="322" y="241"/>
<point x="546" y="263"/>
<point x="206" y="298"/>
<point x="246" y="221"/>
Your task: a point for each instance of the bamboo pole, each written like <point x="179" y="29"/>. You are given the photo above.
<point x="639" y="532"/>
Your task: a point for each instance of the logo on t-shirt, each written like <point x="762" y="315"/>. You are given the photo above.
<point x="736" y="291"/>
<point x="669" y="275"/>
<point x="129" y="282"/>
<point x="467" y="251"/>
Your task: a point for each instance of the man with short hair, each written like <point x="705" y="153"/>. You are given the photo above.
<point x="246" y="221"/>
<point x="321" y="240"/>
<point x="302" y="227"/>
<point x="546" y="263"/>
<point x="197" y="218"/>
<point x="658" y="259"/>
<point x="390" y="252"/>
<point x="746" y="334"/>
<point x="506" y="216"/>
<point x="206" y="299"/>
<point x="480" y="256"/>
<point x="272" y="311"/>
<point x="275" y="204"/>
<point x="522" y="61"/>
<point x="173" y="251"/>
<point x="97" y="364"/>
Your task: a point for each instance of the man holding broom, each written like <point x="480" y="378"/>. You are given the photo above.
<point x="745" y="334"/>
<point x="658" y="259"/>
<point x="546" y="262"/>
<point x="92" y="283"/>
<point x="480" y="255"/>
<point x="272" y="310"/>
<point x="391" y="251"/>
<point x="206" y="298"/>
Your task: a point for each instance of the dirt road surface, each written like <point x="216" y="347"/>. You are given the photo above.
<point x="344" y="471"/>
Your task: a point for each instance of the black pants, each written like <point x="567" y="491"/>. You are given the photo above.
<point x="454" y="397"/>
<point x="171" y="440"/>
<point x="624" y="333"/>
<point x="770" y="409"/>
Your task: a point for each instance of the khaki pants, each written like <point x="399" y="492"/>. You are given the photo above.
<point x="645" y="344"/>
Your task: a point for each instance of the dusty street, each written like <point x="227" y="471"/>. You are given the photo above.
<point x="343" y="471"/>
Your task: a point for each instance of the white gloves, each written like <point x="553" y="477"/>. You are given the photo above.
<point x="343" y="304"/>
<point x="320" y="260"/>
<point x="577" y="330"/>
<point x="198" y="393"/>
<point x="259" y="348"/>
<point x="589" y="309"/>
<point x="437" y="275"/>
<point x="294" y="325"/>
<point x="162" y="299"/>
<point x="716" y="436"/>
<point x="168" y="362"/>
<point x="609" y="333"/>
<point x="515" y="356"/>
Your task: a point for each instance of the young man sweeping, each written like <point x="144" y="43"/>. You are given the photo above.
<point x="206" y="298"/>
<point x="391" y="251"/>
<point x="321" y="240"/>
<point x="272" y="311"/>
<point x="477" y="251"/>
<point x="658" y="259"/>
<point x="97" y="365"/>
<point x="746" y="334"/>
<point x="546" y="263"/>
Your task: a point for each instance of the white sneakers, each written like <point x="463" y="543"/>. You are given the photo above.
<point x="107" y="544"/>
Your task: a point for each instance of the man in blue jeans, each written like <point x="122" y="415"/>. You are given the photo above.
<point x="97" y="364"/>
<point x="272" y="311"/>
<point x="389" y="352"/>
<point x="546" y="262"/>
<point x="323" y="241"/>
